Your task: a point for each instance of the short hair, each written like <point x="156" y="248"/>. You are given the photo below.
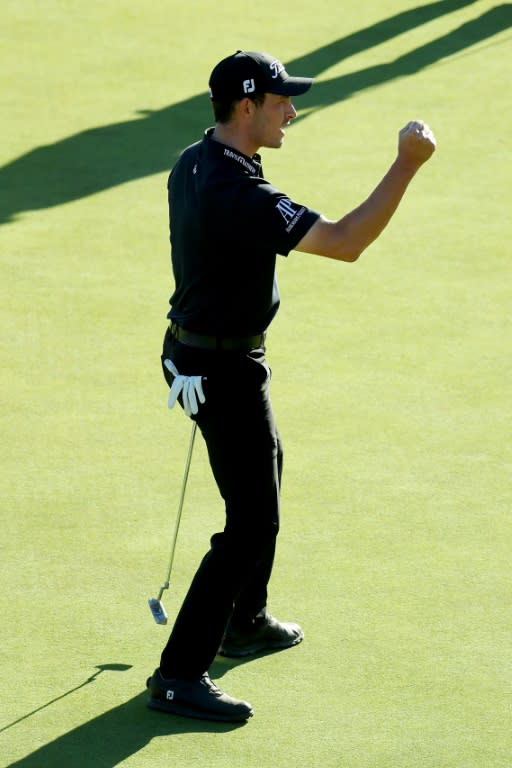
<point x="223" y="110"/>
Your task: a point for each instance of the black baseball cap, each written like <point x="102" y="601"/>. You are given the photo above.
<point x="244" y="73"/>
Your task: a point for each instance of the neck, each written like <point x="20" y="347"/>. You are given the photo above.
<point x="232" y="138"/>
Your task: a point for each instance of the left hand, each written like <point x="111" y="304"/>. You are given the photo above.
<point x="190" y="388"/>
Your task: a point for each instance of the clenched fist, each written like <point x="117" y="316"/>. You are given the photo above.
<point x="416" y="143"/>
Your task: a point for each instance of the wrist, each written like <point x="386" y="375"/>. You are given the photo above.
<point x="407" y="166"/>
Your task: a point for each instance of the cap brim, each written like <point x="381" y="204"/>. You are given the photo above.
<point x="293" y="86"/>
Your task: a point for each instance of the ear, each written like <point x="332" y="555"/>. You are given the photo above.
<point x="246" y="107"/>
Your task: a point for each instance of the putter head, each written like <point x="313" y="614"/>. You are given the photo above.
<point x="157" y="610"/>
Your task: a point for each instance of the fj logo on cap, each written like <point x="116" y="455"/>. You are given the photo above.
<point x="276" y="68"/>
<point x="249" y="86"/>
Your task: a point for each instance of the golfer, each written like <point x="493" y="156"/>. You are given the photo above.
<point x="227" y="226"/>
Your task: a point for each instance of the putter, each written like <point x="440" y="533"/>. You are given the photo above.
<point x="155" y="603"/>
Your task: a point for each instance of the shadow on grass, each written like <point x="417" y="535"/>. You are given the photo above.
<point x="114" y="736"/>
<point x="457" y="40"/>
<point x="106" y="156"/>
<point x="222" y="664"/>
<point x="100" y="667"/>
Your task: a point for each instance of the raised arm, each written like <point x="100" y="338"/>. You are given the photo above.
<point x="348" y="237"/>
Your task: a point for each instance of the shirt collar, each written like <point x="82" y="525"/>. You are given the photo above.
<point x="250" y="165"/>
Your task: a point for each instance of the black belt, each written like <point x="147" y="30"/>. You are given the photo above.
<point x="223" y="343"/>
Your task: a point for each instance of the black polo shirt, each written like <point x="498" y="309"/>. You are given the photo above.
<point x="227" y="224"/>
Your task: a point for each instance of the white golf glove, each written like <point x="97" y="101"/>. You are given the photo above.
<point x="190" y="388"/>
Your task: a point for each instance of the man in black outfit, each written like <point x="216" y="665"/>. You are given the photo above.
<point x="227" y="225"/>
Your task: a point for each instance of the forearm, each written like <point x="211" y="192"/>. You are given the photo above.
<point x="347" y="238"/>
<point x="359" y="228"/>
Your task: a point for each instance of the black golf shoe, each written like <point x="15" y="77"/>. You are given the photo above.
<point x="269" y="634"/>
<point x="195" y="698"/>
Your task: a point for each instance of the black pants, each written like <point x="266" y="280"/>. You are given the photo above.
<point x="245" y="455"/>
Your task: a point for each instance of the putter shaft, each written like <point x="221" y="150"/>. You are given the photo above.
<point x="155" y="604"/>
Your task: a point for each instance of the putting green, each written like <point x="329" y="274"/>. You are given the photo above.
<point x="391" y="388"/>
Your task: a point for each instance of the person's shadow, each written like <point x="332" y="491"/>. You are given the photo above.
<point x="105" y="156"/>
<point x="115" y="735"/>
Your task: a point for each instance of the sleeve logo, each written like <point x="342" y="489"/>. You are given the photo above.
<point x="290" y="212"/>
<point x="286" y="209"/>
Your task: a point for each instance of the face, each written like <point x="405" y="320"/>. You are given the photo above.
<point x="270" y="119"/>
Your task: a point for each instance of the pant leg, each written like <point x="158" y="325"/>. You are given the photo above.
<point x="244" y="451"/>
<point x="251" y="601"/>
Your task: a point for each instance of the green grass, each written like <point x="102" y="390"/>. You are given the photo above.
<point x="391" y="388"/>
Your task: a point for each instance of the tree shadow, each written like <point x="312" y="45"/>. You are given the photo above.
<point x="471" y="32"/>
<point x="103" y="157"/>
<point x="375" y="34"/>
<point x="114" y="736"/>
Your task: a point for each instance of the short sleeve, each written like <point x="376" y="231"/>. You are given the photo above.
<point x="273" y="220"/>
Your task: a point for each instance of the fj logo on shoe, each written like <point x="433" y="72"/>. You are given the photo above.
<point x="169" y="695"/>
